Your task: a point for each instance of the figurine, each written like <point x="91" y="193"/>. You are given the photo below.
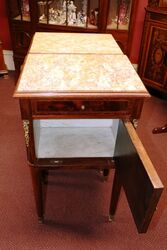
<point x="43" y="9"/>
<point x="94" y="16"/>
<point x="25" y="8"/>
<point x="66" y="13"/>
<point x="123" y="9"/>
<point x="81" y="18"/>
<point x="42" y="5"/>
<point x="72" y="17"/>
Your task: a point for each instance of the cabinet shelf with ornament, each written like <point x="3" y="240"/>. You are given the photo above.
<point x="93" y="16"/>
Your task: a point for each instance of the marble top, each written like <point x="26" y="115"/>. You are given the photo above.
<point x="77" y="73"/>
<point x="47" y="42"/>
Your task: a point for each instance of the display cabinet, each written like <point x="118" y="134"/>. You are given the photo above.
<point x="153" y="61"/>
<point x="98" y="16"/>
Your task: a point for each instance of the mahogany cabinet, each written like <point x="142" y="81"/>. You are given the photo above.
<point x="94" y="16"/>
<point x="78" y="105"/>
<point x="153" y="53"/>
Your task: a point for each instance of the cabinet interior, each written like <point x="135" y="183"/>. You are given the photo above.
<point x="75" y="137"/>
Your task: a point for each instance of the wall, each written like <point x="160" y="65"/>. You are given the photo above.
<point x="138" y="26"/>
<point x="4" y="27"/>
<point x="138" y="29"/>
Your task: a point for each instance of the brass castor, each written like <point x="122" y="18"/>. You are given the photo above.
<point x="110" y="218"/>
<point x="40" y="220"/>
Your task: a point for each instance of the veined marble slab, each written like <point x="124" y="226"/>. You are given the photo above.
<point x="47" y="42"/>
<point x="75" y="137"/>
<point x="44" y="73"/>
<point x="74" y="142"/>
<point x="75" y="123"/>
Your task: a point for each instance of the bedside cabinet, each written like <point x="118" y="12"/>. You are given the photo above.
<point x="77" y="105"/>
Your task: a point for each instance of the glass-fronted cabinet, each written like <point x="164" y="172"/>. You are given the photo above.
<point x="84" y="13"/>
<point x="76" y="13"/>
<point x="100" y="16"/>
<point x="119" y="14"/>
<point x="20" y="10"/>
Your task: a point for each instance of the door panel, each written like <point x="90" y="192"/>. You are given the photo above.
<point x="138" y="177"/>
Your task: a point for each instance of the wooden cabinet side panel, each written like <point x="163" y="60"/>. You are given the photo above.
<point x="141" y="184"/>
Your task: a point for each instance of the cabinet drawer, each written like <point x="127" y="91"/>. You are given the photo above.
<point x="80" y="107"/>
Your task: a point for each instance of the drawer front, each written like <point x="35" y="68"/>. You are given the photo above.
<point x="80" y="107"/>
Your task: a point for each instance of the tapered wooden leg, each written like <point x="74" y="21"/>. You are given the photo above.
<point x="44" y="175"/>
<point x="114" y="195"/>
<point x="36" y="176"/>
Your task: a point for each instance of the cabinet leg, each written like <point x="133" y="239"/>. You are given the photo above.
<point x="36" y="176"/>
<point x="114" y="195"/>
<point x="106" y="173"/>
<point x="44" y="176"/>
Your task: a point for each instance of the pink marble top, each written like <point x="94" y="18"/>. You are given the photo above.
<point x="68" y="63"/>
<point x="78" y="73"/>
<point x="47" y="42"/>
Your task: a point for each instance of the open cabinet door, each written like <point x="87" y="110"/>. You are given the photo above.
<point x="135" y="172"/>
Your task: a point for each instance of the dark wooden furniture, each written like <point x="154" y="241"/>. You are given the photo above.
<point x="153" y="60"/>
<point x="101" y="86"/>
<point x="3" y="68"/>
<point x="103" y="16"/>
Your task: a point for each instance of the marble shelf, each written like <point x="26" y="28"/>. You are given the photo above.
<point x="63" y="139"/>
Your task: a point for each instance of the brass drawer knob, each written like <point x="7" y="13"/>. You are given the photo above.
<point x="83" y="107"/>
